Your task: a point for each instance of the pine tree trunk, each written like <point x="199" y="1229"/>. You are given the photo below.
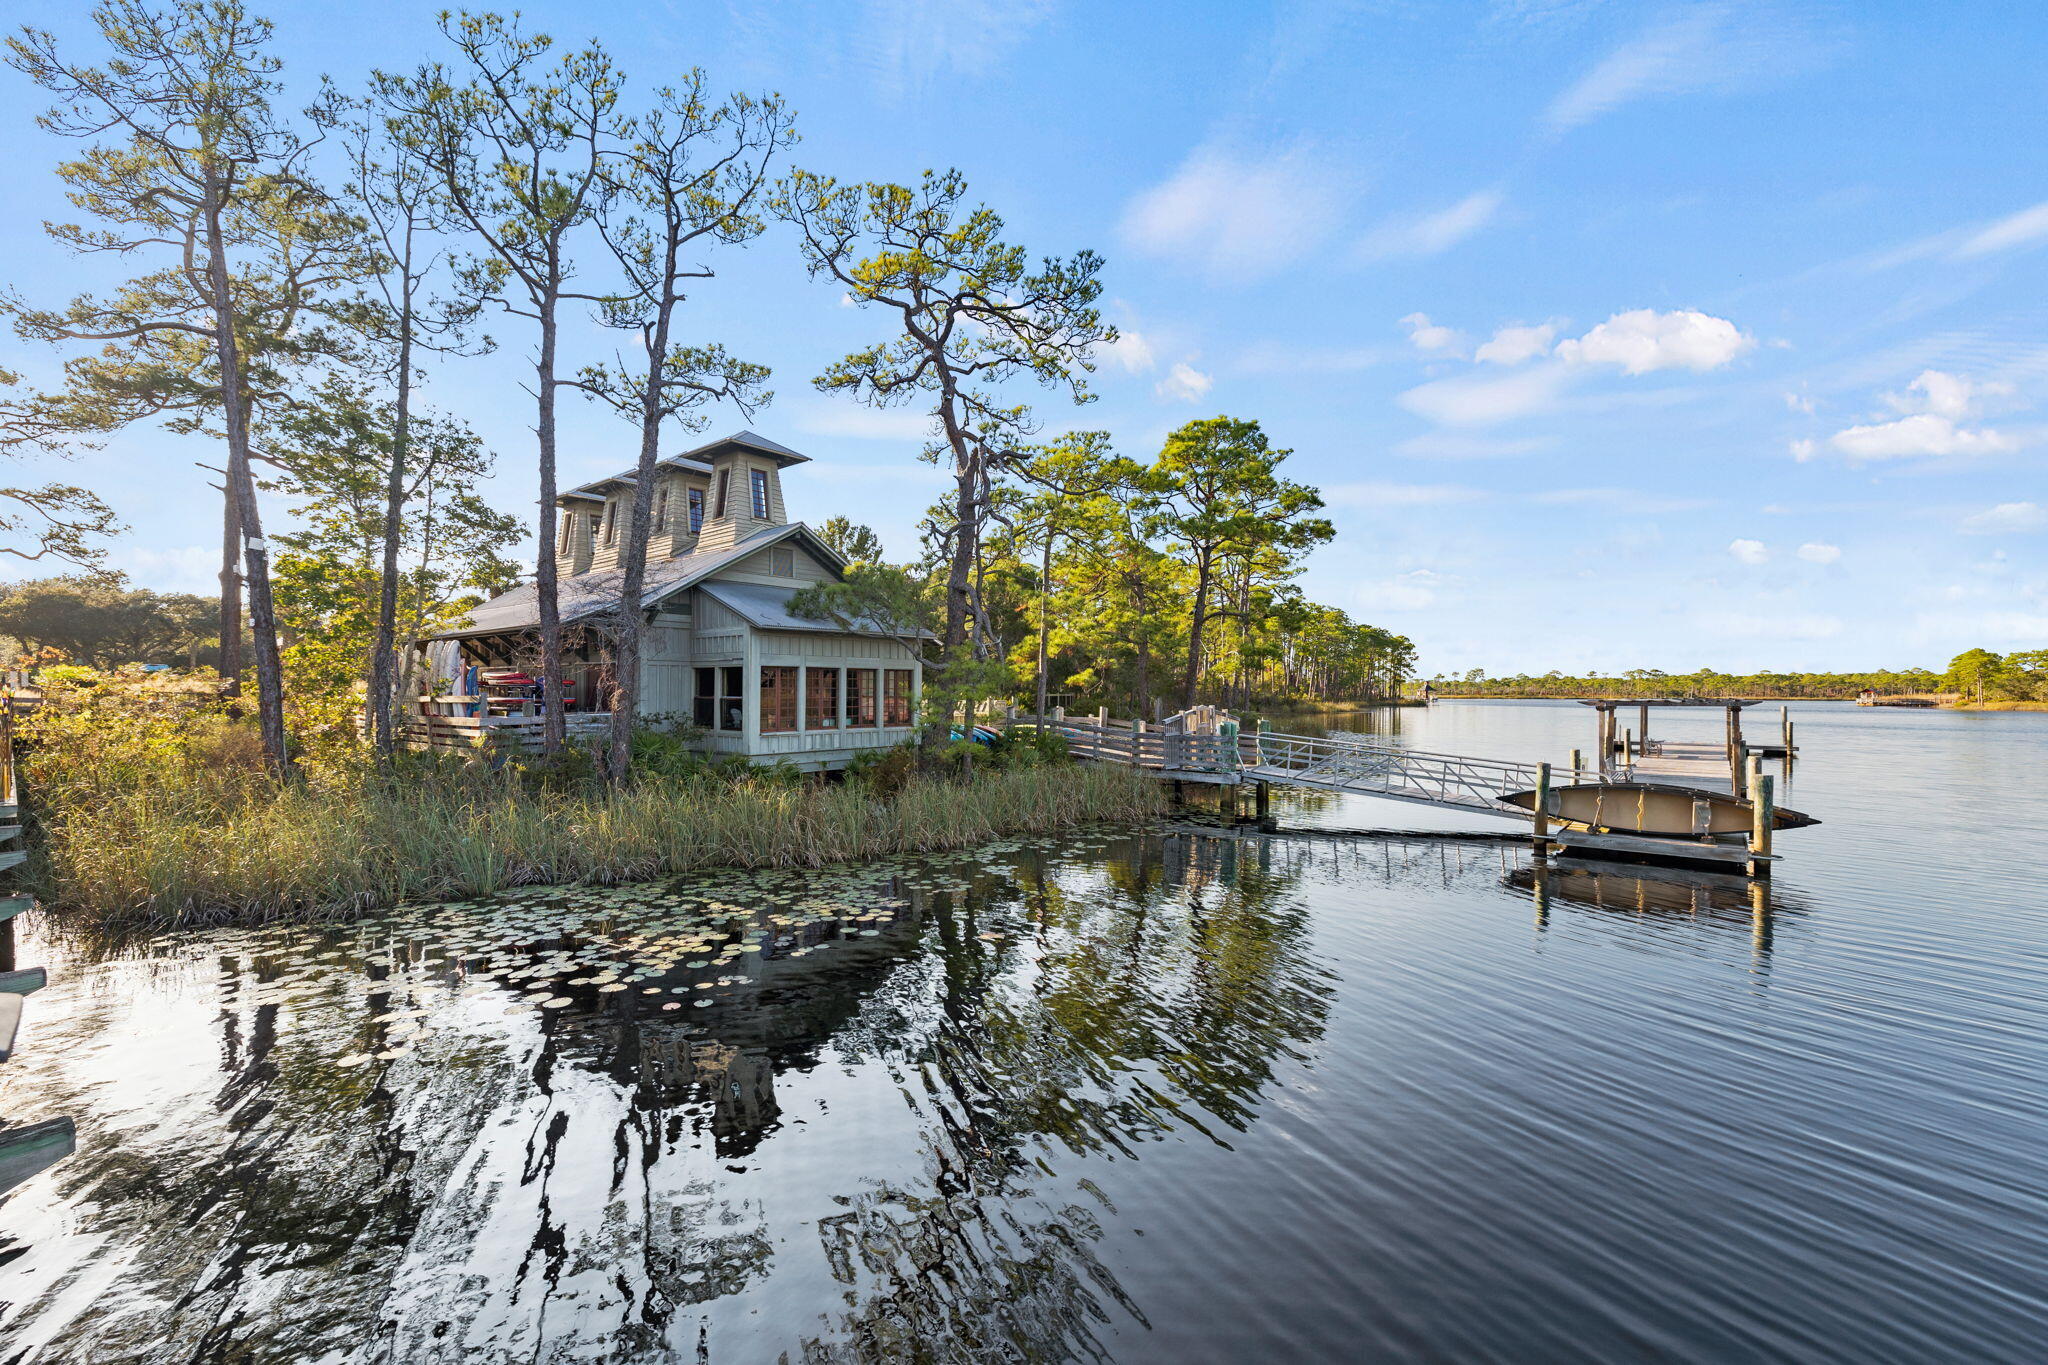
<point x="553" y="731"/>
<point x="626" y="636"/>
<point x="383" y="663"/>
<point x="241" y="484"/>
<point x="230" y="592"/>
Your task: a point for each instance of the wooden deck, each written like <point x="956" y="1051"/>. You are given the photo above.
<point x="1212" y="749"/>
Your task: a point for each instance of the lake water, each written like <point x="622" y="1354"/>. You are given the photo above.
<point x="1172" y="1096"/>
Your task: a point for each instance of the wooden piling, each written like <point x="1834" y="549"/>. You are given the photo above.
<point x="1262" y="797"/>
<point x="1542" y="837"/>
<point x="1578" y="762"/>
<point x="1763" y="814"/>
<point x="1642" y="726"/>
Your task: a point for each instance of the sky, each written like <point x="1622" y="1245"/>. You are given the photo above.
<point x="1614" y="334"/>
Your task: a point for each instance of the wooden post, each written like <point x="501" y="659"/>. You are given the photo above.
<point x="1785" y="729"/>
<point x="1628" y="739"/>
<point x="1642" y="726"/>
<point x="1262" y="801"/>
<point x="1259" y="758"/>
<point x="1577" y="763"/>
<point x="1763" y="814"/>
<point x="1542" y="809"/>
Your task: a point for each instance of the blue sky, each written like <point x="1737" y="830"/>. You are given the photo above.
<point x="1615" y="334"/>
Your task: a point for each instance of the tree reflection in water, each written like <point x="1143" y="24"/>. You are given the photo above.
<point x="718" y="1123"/>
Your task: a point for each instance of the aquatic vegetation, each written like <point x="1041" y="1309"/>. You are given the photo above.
<point x="172" y="822"/>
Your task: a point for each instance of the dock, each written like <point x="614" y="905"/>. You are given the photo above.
<point x="29" y="1148"/>
<point x="1207" y="746"/>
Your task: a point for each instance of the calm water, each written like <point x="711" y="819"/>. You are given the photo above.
<point x="1170" y="1096"/>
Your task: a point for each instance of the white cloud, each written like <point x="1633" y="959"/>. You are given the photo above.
<point x="1131" y="352"/>
<point x="848" y="301"/>
<point x="1803" y="449"/>
<point x="1749" y="551"/>
<point x="1643" y="340"/>
<point x="866" y="424"/>
<point x="1814" y="552"/>
<point x="2019" y="229"/>
<point x="1403" y="592"/>
<point x="1453" y="445"/>
<point x="1799" y="402"/>
<point x="1513" y="345"/>
<point x="1477" y="401"/>
<point x="1947" y="395"/>
<point x="1371" y="494"/>
<point x="1236" y="216"/>
<point x="1431" y="234"/>
<point x="1184" y="383"/>
<point x="1924" y="433"/>
<point x="2007" y="518"/>
<point x="1431" y="338"/>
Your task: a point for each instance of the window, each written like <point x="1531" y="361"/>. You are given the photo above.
<point x="821" y="699"/>
<point x="696" y="510"/>
<point x="596" y="520"/>
<point x="759" y="478"/>
<point x="782" y="563"/>
<point x="661" y="509"/>
<point x="860" y="698"/>
<point x="611" y="523"/>
<point x="896" y="697"/>
<point x="719" y="705"/>
<point x="732" y="703"/>
<point x="705" y="712"/>
<point x="718" y="507"/>
<point x="778" y="700"/>
<point x="568" y="531"/>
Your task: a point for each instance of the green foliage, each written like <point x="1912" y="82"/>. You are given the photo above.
<point x="334" y="453"/>
<point x="854" y="543"/>
<point x="154" y="806"/>
<point x="102" y="622"/>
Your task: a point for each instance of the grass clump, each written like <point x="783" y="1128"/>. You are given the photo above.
<point x="156" y="809"/>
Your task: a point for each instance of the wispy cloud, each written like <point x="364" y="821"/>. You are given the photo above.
<point x="2007" y="518"/>
<point x="1816" y="552"/>
<point x="1238" y="216"/>
<point x="1431" y="234"/>
<point x="1619" y="501"/>
<point x="1750" y="551"/>
<point x="1433" y="338"/>
<point x="908" y="43"/>
<point x="1706" y="48"/>
<point x="1485" y="400"/>
<point x="1372" y="494"/>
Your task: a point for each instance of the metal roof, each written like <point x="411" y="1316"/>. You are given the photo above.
<point x="584" y="595"/>
<point x="697" y="459"/>
<point x="766" y="607"/>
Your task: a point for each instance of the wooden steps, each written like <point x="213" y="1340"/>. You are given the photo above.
<point x="31" y="1148"/>
<point x="10" y="906"/>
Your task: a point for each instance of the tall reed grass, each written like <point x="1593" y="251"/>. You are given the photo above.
<point x="177" y="825"/>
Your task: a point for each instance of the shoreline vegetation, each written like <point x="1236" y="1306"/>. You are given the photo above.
<point x="158" y="812"/>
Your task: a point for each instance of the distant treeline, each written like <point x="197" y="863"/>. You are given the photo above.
<point x="1650" y="682"/>
<point x="1975" y="675"/>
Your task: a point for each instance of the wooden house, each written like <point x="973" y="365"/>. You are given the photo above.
<point x="719" y="646"/>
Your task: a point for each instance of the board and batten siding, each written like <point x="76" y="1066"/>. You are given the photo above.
<point x="665" y="677"/>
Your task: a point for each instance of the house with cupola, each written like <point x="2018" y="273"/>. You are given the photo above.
<point x="720" y="648"/>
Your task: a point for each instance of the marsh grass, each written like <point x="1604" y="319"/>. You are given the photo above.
<point x="168" y="819"/>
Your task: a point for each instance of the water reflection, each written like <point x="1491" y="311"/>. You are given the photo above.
<point x="598" y="1123"/>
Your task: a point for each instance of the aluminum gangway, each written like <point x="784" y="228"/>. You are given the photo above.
<point x="1206" y="746"/>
